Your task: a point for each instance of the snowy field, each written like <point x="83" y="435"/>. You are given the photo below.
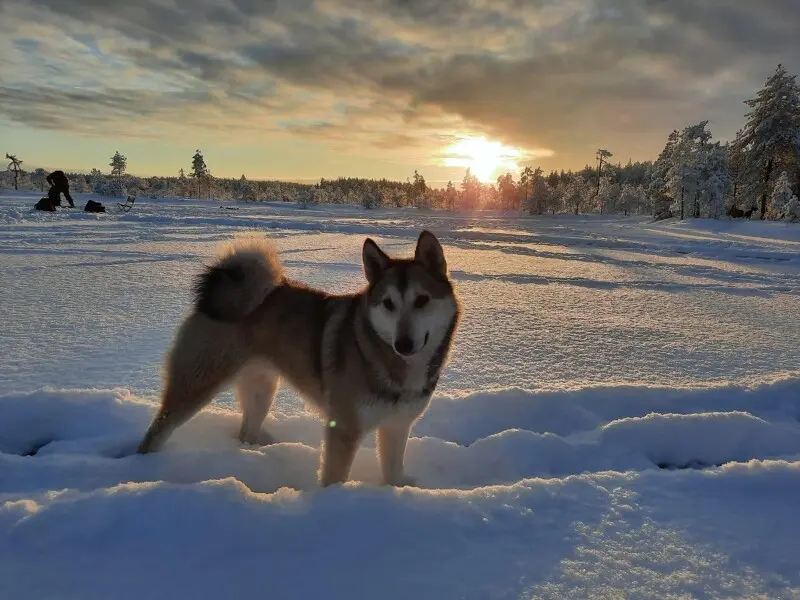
<point x="620" y="417"/>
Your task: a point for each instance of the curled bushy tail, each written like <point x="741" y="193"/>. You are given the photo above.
<point x="243" y="275"/>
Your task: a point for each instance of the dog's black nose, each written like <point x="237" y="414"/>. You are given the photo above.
<point x="404" y="345"/>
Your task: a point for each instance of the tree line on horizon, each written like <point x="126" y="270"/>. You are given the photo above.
<point x="694" y="176"/>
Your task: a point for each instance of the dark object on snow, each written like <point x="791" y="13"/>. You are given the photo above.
<point x="735" y="213"/>
<point x="92" y="206"/>
<point x="60" y="185"/>
<point x="45" y="204"/>
<point x="738" y="213"/>
<point x="129" y="201"/>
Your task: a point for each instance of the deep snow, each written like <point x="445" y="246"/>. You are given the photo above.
<point x="621" y="416"/>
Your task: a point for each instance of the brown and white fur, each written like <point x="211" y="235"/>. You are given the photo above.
<point x="367" y="361"/>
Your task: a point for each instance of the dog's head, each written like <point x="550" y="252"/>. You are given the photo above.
<point x="411" y="302"/>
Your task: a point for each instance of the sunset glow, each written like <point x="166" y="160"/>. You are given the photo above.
<point x="486" y="159"/>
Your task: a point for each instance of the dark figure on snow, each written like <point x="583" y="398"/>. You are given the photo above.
<point x="60" y="185"/>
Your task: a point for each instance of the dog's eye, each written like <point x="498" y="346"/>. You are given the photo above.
<point x="387" y="302"/>
<point x="421" y="301"/>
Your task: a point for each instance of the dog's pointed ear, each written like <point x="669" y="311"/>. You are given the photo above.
<point x="375" y="260"/>
<point x="429" y="252"/>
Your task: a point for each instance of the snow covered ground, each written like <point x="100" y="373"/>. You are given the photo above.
<point x="620" y="418"/>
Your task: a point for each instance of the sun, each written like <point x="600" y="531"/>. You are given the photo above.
<point x="484" y="158"/>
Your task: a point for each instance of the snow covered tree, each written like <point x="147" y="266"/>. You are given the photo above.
<point x="507" y="191"/>
<point x="536" y="196"/>
<point x="245" y="191"/>
<point x="40" y="178"/>
<point x="783" y="203"/>
<point x="737" y="172"/>
<point x="525" y="185"/>
<point x="488" y="197"/>
<point x="576" y="192"/>
<point x="118" y="164"/>
<point x="419" y="188"/>
<point x="470" y="191"/>
<point x="601" y="155"/>
<point x="541" y="195"/>
<point x="450" y="196"/>
<point x="607" y="195"/>
<point x="200" y="171"/>
<point x="183" y="184"/>
<point x="391" y="196"/>
<point x="714" y="180"/>
<point x="97" y="181"/>
<point x="313" y="196"/>
<point x="80" y="185"/>
<point x="685" y="171"/>
<point x="14" y="167"/>
<point x="632" y="199"/>
<point x="115" y="187"/>
<point x="659" y="178"/>
<point x="372" y="198"/>
<point x="769" y="138"/>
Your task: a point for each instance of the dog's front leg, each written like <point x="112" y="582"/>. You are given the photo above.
<point x="338" y="453"/>
<point x="392" y="439"/>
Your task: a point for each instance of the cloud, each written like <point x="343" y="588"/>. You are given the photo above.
<point x="561" y="76"/>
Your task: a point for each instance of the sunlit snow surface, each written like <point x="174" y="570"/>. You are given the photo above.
<point x="620" y="417"/>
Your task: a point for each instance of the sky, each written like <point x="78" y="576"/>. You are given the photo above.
<point x="303" y="89"/>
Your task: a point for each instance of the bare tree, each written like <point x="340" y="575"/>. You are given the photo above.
<point x="14" y="165"/>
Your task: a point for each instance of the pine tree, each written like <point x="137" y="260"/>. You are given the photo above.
<point x="450" y="196"/>
<point x="470" y="190"/>
<point x="770" y="137"/>
<point x="420" y="188"/>
<point x="245" y="192"/>
<point x="737" y="172"/>
<point x="507" y="191"/>
<point x="118" y="164"/>
<point x="783" y="203"/>
<point x="607" y="195"/>
<point x="601" y="155"/>
<point x="525" y="184"/>
<point x="714" y="180"/>
<point x="632" y="198"/>
<point x="183" y="184"/>
<point x="199" y="170"/>
<point x="541" y="194"/>
<point x="659" y="178"/>
<point x="684" y="172"/>
<point x="576" y="192"/>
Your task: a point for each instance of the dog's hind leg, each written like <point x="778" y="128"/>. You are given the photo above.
<point x="256" y="385"/>
<point x="200" y="363"/>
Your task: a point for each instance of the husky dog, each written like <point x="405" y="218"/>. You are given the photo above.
<point x="366" y="361"/>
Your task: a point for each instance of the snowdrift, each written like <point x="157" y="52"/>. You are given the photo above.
<point x="591" y="487"/>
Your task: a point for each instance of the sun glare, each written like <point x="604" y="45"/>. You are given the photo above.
<point x="484" y="158"/>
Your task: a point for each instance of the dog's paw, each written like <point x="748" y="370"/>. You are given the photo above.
<point x="262" y="438"/>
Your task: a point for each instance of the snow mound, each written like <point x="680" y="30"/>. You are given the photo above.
<point x="683" y="535"/>
<point x="81" y="440"/>
<point x="701" y="439"/>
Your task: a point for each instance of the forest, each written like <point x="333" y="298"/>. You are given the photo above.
<point x="695" y="176"/>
